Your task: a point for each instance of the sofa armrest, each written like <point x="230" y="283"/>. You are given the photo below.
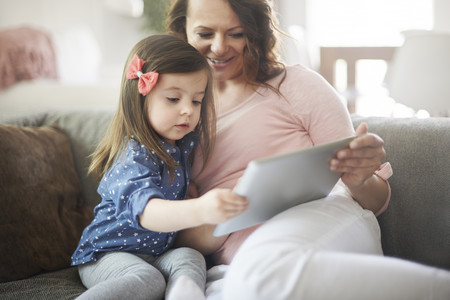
<point x="416" y="225"/>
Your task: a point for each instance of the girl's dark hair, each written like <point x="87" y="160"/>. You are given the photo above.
<point x="164" y="54"/>
<point x="261" y="54"/>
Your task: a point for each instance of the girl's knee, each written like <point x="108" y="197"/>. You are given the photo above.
<point x="188" y="255"/>
<point x="186" y="251"/>
<point x="152" y="283"/>
<point x="183" y="261"/>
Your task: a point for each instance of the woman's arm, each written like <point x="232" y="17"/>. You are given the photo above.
<point x="372" y="194"/>
<point x="200" y="238"/>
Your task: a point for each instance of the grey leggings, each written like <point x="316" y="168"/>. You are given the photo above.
<point x="122" y="275"/>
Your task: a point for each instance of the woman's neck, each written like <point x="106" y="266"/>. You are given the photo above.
<point x="229" y="94"/>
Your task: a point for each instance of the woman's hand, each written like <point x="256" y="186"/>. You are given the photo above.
<point x="358" y="164"/>
<point x="363" y="157"/>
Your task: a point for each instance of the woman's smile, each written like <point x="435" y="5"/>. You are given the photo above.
<point x="218" y="63"/>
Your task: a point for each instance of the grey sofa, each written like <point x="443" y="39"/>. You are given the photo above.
<point x="416" y="225"/>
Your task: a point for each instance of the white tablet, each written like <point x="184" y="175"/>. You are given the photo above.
<point x="277" y="183"/>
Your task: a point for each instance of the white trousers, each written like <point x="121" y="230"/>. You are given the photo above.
<point x="327" y="249"/>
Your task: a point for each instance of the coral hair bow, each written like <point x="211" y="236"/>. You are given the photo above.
<point x="146" y="81"/>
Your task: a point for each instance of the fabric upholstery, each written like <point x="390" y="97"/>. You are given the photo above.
<point x="416" y="225"/>
<point x="63" y="284"/>
<point x="84" y="130"/>
<point x="42" y="213"/>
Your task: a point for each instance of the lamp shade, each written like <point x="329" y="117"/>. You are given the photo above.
<point x="420" y="72"/>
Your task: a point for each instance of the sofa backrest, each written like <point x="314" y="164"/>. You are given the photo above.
<point x="416" y="224"/>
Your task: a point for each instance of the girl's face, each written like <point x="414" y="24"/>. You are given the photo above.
<point x="175" y="104"/>
<point x="215" y="30"/>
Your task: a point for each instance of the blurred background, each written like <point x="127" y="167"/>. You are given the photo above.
<point x="368" y="49"/>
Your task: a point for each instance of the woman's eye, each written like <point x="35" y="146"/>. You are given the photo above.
<point x="204" y="35"/>
<point x="237" y="35"/>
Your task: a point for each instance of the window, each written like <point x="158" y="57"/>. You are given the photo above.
<point x="365" y="22"/>
<point x="359" y="27"/>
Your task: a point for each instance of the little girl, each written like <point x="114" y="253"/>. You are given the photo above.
<point x="165" y="110"/>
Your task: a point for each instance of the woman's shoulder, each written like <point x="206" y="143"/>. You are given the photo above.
<point x="300" y="82"/>
<point x="308" y="93"/>
<point x="301" y="74"/>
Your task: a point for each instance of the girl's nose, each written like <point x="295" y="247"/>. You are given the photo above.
<point x="218" y="46"/>
<point x="186" y="110"/>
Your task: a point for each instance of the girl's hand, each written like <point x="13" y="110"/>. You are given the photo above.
<point x="363" y="157"/>
<point x="220" y="205"/>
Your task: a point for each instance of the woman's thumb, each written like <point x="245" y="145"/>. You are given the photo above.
<point x="362" y="129"/>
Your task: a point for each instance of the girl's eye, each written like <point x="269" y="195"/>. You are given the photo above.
<point x="172" y="99"/>
<point x="197" y="102"/>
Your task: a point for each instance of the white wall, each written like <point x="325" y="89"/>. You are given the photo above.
<point x="115" y="34"/>
<point x="293" y="20"/>
<point x="295" y="12"/>
<point x="441" y="15"/>
<point x="291" y="12"/>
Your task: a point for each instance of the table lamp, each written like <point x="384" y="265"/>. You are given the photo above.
<point x="420" y="72"/>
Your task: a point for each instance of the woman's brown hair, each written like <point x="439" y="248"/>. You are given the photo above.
<point x="163" y="54"/>
<point x="261" y="54"/>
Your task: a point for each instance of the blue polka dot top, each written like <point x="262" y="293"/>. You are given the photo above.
<point x="126" y="187"/>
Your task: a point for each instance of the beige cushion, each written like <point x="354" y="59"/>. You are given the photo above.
<point x="42" y="213"/>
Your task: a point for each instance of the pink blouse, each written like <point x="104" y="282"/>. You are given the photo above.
<point x="310" y="113"/>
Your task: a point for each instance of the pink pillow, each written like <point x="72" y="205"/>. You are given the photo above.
<point x="25" y="53"/>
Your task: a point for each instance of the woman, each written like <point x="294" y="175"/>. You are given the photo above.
<point x="264" y="109"/>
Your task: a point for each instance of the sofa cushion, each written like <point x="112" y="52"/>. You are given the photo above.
<point x="42" y="213"/>
<point x="63" y="284"/>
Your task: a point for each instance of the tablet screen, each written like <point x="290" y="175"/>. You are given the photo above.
<point x="277" y="183"/>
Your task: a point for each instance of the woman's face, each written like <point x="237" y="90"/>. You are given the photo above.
<point x="215" y="30"/>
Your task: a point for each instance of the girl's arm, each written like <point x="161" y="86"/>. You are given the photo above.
<point x="200" y="237"/>
<point x="214" y="207"/>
